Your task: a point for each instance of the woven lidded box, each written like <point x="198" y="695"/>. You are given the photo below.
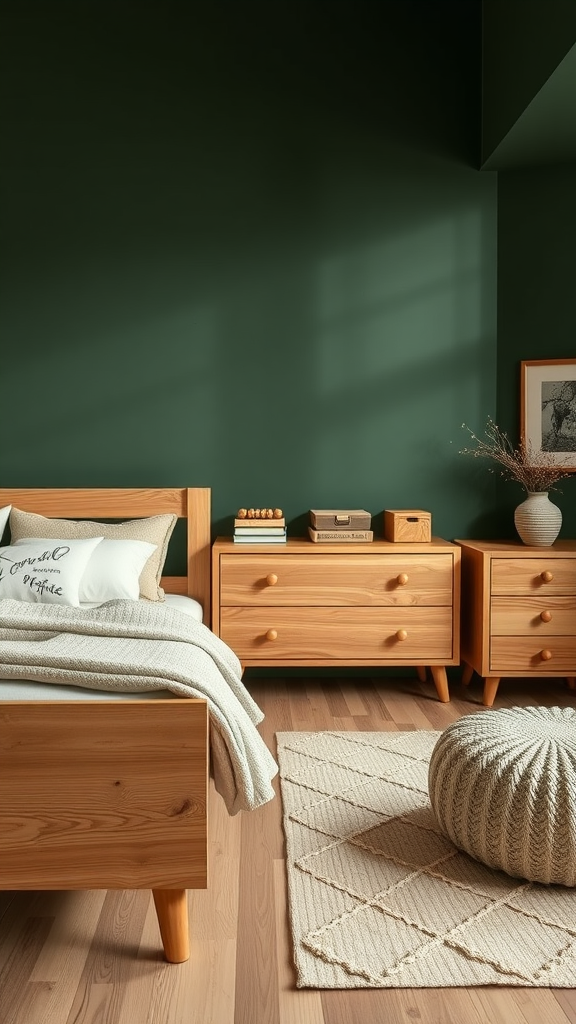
<point x="340" y="518"/>
<point x="410" y="525"/>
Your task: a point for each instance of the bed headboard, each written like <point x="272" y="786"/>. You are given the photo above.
<point x="190" y="503"/>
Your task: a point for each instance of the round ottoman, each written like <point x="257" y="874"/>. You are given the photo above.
<point x="502" y="785"/>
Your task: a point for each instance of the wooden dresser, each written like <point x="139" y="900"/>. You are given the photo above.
<point x="518" y="611"/>
<point x="305" y="604"/>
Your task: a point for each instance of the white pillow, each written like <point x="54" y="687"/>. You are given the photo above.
<point x="45" y="571"/>
<point x="114" y="570"/>
<point x="4" y="513"/>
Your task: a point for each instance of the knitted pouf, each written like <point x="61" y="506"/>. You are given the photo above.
<point x="502" y="785"/>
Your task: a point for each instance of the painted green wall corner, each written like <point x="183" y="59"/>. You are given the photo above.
<point x="537" y="296"/>
<point x="527" y="81"/>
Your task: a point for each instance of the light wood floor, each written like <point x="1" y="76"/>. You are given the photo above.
<point x="94" y="957"/>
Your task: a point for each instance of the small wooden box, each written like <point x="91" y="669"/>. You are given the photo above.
<point x="340" y="519"/>
<point x="409" y="525"/>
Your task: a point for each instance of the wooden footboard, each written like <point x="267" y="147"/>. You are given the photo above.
<point x="106" y="795"/>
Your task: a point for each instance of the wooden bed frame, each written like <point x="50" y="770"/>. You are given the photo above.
<point x="112" y="794"/>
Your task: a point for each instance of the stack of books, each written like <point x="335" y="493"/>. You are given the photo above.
<point x="258" y="526"/>
<point x="335" y="525"/>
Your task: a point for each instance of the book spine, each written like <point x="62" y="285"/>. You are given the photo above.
<point x="325" y="536"/>
<point x="262" y="532"/>
<point x="259" y="524"/>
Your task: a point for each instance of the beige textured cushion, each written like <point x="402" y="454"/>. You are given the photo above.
<point x="502" y="785"/>
<point x="155" y="530"/>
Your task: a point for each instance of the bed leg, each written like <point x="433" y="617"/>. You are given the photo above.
<point x="172" y="911"/>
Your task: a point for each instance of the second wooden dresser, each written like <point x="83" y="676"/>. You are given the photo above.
<point x="305" y="604"/>
<point x="519" y="611"/>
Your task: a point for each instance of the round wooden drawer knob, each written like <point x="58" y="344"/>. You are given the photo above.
<point x="546" y="616"/>
<point x="272" y="634"/>
<point x="547" y="576"/>
<point x="402" y="579"/>
<point x="546" y="655"/>
<point x="271" y="579"/>
<point x="402" y="634"/>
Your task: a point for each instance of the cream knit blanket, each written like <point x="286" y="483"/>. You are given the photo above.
<point x="136" y="646"/>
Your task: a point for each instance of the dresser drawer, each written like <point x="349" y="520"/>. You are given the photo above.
<point x="524" y="654"/>
<point x="404" y="635"/>
<point x="332" y="580"/>
<point x="536" y="616"/>
<point x="540" y="575"/>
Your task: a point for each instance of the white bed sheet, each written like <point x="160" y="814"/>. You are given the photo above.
<point x="21" y="689"/>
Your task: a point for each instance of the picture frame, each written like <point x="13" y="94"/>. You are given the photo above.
<point x="548" y="410"/>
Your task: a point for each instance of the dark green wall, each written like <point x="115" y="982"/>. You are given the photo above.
<point x="247" y="244"/>
<point x="536" y="296"/>
<point x="529" y="137"/>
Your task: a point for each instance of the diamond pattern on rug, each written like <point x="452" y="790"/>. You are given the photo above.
<point x="380" y="898"/>
<point x="359" y="807"/>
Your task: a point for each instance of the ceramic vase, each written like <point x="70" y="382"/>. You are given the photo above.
<point x="538" y="520"/>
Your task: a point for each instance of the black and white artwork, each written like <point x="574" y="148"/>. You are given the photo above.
<point x="559" y="416"/>
<point x="548" y="410"/>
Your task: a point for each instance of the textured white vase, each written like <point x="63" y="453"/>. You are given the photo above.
<point x="538" y="520"/>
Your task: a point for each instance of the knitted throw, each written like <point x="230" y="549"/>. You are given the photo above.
<point x="135" y="646"/>
<point x="503" y="787"/>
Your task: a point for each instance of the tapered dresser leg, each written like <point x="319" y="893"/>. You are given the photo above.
<point x="172" y="911"/>
<point x="571" y="680"/>
<point x="491" y="684"/>
<point x="440" y="682"/>
<point x="467" y="674"/>
<point x="421" y="670"/>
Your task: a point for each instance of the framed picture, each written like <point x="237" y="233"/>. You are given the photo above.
<point x="548" y="410"/>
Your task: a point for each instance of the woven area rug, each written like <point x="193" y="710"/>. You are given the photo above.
<point x="378" y="898"/>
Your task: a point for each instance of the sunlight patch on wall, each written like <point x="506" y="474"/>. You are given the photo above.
<point x="400" y="339"/>
<point x="380" y="309"/>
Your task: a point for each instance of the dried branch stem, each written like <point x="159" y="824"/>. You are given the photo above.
<point x="535" y="473"/>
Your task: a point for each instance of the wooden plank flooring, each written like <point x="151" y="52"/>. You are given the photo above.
<point x="95" y="958"/>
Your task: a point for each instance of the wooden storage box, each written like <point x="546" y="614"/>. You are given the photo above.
<point x="407" y="525"/>
<point x="340" y="519"/>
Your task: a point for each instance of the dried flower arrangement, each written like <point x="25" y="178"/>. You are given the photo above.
<point x="535" y="473"/>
